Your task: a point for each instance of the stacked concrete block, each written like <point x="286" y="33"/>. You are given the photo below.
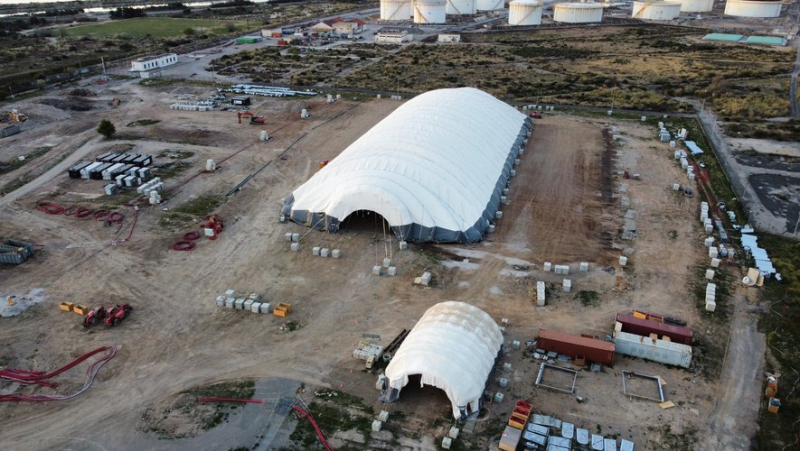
<point x="387" y="262"/>
<point x="376" y="270"/>
<point x="238" y="304"/>
<point x="623" y="260"/>
<point x="713" y="252"/>
<point x="295" y="247"/>
<point x="540" y="292"/>
<point x="710" y="274"/>
<point x="255" y="307"/>
<point x="567" y="285"/>
<point x="315" y="251"/>
<point x="336" y="253"/>
<point x="392" y="271"/>
<point x="547" y="266"/>
<point x="561" y="269"/>
<point x="711" y="297"/>
<point x="324" y="252"/>
<point x="584" y="267"/>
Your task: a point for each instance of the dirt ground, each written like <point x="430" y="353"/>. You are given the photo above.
<point x="177" y="338"/>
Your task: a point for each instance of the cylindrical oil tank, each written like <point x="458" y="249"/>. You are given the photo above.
<point x="658" y="10"/>
<point x="752" y="8"/>
<point x="525" y="12"/>
<point x="461" y="7"/>
<point x="489" y="5"/>
<point x="578" y="12"/>
<point x="395" y="9"/>
<point x="429" y="11"/>
<point x="696" y="6"/>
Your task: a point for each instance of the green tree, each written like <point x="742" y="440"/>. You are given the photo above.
<point x="106" y="128"/>
<point x="188" y="31"/>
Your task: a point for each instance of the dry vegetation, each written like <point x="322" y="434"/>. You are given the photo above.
<point x="636" y="67"/>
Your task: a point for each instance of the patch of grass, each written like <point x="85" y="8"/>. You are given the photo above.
<point x="16" y="163"/>
<point x="153" y="26"/>
<point x="344" y="399"/>
<point x="201" y="206"/>
<point x="143" y="123"/>
<point x="170" y="170"/>
<point x="330" y="419"/>
<point x="158" y="82"/>
<point x="589" y="298"/>
<point x="176" y="154"/>
<point x="239" y="390"/>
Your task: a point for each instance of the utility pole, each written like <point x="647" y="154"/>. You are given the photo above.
<point x="103" y="62"/>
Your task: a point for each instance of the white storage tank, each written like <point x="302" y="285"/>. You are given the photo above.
<point x="696" y="6"/>
<point x="429" y="11"/>
<point x="658" y="10"/>
<point x="752" y="8"/>
<point x="525" y="12"/>
<point x="461" y="7"/>
<point x="395" y="10"/>
<point x="578" y="12"/>
<point x="489" y="5"/>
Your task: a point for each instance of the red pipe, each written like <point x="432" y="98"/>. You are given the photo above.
<point x="191" y="236"/>
<point x="321" y="436"/>
<point x="184" y="246"/>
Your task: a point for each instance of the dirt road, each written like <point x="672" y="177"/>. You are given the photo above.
<point x="733" y="421"/>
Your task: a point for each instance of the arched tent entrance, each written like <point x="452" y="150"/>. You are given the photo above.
<point x="453" y="348"/>
<point x="423" y="396"/>
<point x="366" y="221"/>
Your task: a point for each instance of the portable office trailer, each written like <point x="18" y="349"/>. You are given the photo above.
<point x="109" y="174"/>
<point x="143" y="173"/>
<point x="129" y="181"/>
<point x="109" y="158"/>
<point x="120" y="158"/>
<point x="85" y="171"/>
<point x="132" y="171"/>
<point x="120" y="179"/>
<point x="75" y="171"/>
<point x="591" y="349"/>
<point x="143" y="160"/>
<point x="652" y="349"/>
<point x="676" y="334"/>
<point x="125" y="168"/>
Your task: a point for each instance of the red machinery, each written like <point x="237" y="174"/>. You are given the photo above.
<point x="115" y="315"/>
<point x="253" y="118"/>
<point x="215" y="224"/>
<point x="536" y="115"/>
<point x="94" y="316"/>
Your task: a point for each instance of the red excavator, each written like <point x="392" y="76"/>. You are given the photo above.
<point x="215" y="224"/>
<point x="94" y="316"/>
<point x="115" y="315"/>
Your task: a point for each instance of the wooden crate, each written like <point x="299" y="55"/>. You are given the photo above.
<point x="66" y="306"/>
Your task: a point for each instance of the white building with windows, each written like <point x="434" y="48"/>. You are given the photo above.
<point x="393" y="36"/>
<point x="154" y="62"/>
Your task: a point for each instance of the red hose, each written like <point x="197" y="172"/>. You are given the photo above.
<point x="191" y="236"/>
<point x="83" y="212"/>
<point x="50" y="209"/>
<point x="116" y="217"/>
<point x="254" y="401"/>
<point x="70" y="211"/>
<point x="321" y="436"/>
<point x="37" y="377"/>
<point x="184" y="246"/>
<point x="99" y="215"/>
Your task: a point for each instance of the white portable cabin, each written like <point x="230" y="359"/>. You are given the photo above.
<point x="108" y="172"/>
<point x="88" y="169"/>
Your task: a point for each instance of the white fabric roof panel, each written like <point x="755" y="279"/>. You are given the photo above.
<point x="453" y="347"/>
<point x="433" y="168"/>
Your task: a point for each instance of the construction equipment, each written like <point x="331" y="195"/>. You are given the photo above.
<point x="213" y="227"/>
<point x="115" y="315"/>
<point x="536" y="114"/>
<point x="16" y="116"/>
<point x="253" y="118"/>
<point x="94" y="316"/>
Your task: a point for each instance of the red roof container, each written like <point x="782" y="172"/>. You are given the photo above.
<point x="591" y="349"/>
<point x="643" y="327"/>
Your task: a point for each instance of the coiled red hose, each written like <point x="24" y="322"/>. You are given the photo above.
<point x="184" y="246"/>
<point x="83" y="212"/>
<point x="50" y="209"/>
<point x="191" y="236"/>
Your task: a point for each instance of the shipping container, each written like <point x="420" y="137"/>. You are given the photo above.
<point x="241" y="100"/>
<point x="102" y="157"/>
<point x="143" y="160"/>
<point x="85" y="171"/>
<point x="109" y="174"/>
<point x="97" y="173"/>
<point x="119" y="158"/>
<point x="131" y="159"/>
<point x="593" y="350"/>
<point x="108" y="158"/>
<point x="652" y="349"/>
<point x="75" y="171"/>
<point x="676" y="334"/>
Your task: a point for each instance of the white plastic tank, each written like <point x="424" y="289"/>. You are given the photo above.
<point x="429" y="11"/>
<point x="578" y="12"/>
<point x="395" y="10"/>
<point x="750" y="8"/>
<point x="489" y="5"/>
<point x="525" y="12"/>
<point x="696" y="6"/>
<point x="658" y="10"/>
<point x="461" y="7"/>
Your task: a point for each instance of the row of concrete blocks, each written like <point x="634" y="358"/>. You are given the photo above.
<point x="377" y="270"/>
<point x="250" y="305"/>
<point x="324" y="252"/>
<point x="563" y="269"/>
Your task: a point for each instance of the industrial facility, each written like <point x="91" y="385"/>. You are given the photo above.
<point x="405" y="170"/>
<point x="578" y="12"/>
<point x="525" y="12"/>
<point x="753" y="8"/>
<point x="656" y="10"/>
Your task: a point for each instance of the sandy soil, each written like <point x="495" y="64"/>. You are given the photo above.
<point x="177" y="338"/>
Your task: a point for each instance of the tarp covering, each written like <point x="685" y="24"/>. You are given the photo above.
<point x="453" y="347"/>
<point x="693" y="147"/>
<point x="763" y="261"/>
<point x="434" y="169"/>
